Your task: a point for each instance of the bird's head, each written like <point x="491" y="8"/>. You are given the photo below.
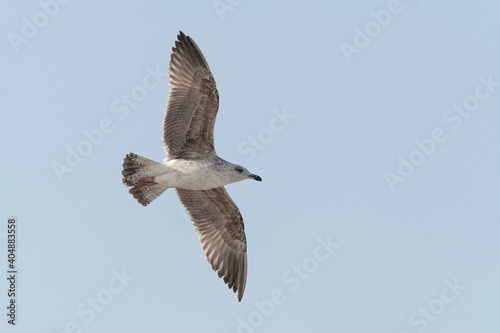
<point x="240" y="173"/>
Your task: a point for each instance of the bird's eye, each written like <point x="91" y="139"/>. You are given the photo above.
<point x="240" y="170"/>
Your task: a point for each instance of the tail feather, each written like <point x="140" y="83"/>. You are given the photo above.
<point x="139" y="172"/>
<point x="146" y="194"/>
<point x="136" y="167"/>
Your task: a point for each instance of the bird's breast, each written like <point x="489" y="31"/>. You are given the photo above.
<point x="192" y="175"/>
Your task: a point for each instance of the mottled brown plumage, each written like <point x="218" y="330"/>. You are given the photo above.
<point x="193" y="168"/>
<point x="222" y="236"/>
<point x="188" y="128"/>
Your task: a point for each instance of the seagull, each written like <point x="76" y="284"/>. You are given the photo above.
<point x="192" y="167"/>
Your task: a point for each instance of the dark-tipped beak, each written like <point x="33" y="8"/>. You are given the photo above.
<point x="257" y="178"/>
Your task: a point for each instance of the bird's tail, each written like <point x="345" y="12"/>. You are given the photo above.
<point x="140" y="172"/>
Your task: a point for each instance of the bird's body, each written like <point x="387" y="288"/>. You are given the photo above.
<point x="193" y="168"/>
<point x="196" y="174"/>
<point x="202" y="174"/>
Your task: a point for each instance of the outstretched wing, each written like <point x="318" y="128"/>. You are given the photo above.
<point x="222" y="236"/>
<point x="192" y="104"/>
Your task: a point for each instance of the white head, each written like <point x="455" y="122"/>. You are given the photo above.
<point x="237" y="173"/>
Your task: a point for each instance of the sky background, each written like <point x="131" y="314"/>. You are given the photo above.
<point x="420" y="255"/>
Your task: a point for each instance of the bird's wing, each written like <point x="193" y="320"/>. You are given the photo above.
<point x="193" y="101"/>
<point x="219" y="224"/>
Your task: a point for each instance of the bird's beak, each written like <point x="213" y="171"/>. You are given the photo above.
<point x="257" y="178"/>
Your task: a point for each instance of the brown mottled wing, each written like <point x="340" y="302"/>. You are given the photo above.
<point x="219" y="224"/>
<point x="192" y="104"/>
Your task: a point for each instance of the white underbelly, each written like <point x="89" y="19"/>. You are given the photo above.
<point x="190" y="175"/>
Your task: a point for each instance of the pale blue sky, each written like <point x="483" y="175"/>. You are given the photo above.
<point x="324" y="127"/>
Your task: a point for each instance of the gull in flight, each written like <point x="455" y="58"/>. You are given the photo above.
<point x="193" y="168"/>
